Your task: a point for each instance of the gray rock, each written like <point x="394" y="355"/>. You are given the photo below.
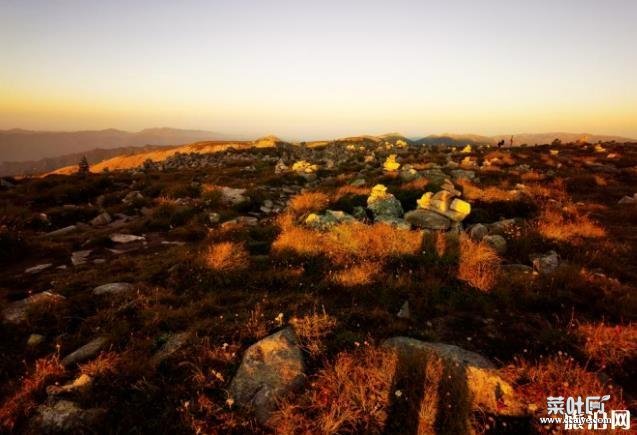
<point x="85" y="352"/>
<point x="35" y="340"/>
<point x="62" y="231"/>
<point x="628" y="199"/>
<point x="113" y="288"/>
<point x="17" y="312"/>
<point x="404" y="312"/>
<point x="545" y="264"/>
<point x="427" y="219"/>
<point x="469" y="376"/>
<point x="132" y="197"/>
<point x="125" y="238"/>
<point x="214" y="218"/>
<point x="388" y="206"/>
<point x="80" y="257"/>
<point x="496" y="242"/>
<point x="517" y="271"/>
<point x="39" y="268"/>
<point x="66" y="417"/>
<point x="271" y="369"/>
<point x="233" y="196"/>
<point x="477" y="232"/>
<point x="172" y="345"/>
<point x="101" y="219"/>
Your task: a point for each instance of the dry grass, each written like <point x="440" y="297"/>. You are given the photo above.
<point x="350" y="396"/>
<point x="609" y="345"/>
<point x="349" y="241"/>
<point x="308" y="202"/>
<point x="227" y="257"/>
<point x="479" y="264"/>
<point x="312" y="329"/>
<point x="20" y="404"/>
<point x="558" y="376"/>
<point x="359" y="274"/>
<point x="106" y="363"/>
<point x="567" y="224"/>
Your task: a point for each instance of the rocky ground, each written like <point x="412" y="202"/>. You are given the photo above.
<point x="359" y="286"/>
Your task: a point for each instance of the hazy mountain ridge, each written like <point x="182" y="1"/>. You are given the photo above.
<point x="23" y="145"/>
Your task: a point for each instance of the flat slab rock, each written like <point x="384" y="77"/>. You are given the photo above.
<point x="113" y="288"/>
<point x="125" y="238"/>
<point x="85" y="352"/>
<point x="485" y="390"/>
<point x="270" y="369"/>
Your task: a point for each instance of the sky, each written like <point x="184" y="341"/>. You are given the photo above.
<point x="320" y="69"/>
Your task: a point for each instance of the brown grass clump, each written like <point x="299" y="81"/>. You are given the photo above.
<point x="360" y="274"/>
<point x="349" y="241"/>
<point x="348" y="189"/>
<point x="609" y="345"/>
<point x="558" y="376"/>
<point x="479" y="264"/>
<point x="312" y="329"/>
<point x="106" y="363"/>
<point x="351" y="396"/>
<point x="227" y="257"/>
<point x="20" y="404"/>
<point x="308" y="202"/>
<point x="567" y="224"/>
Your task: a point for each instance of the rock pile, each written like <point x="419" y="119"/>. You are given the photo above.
<point x="439" y="211"/>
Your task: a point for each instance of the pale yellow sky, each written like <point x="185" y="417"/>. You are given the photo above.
<point x="305" y="70"/>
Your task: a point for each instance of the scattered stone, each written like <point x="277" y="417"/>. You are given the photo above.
<point x="271" y="369"/>
<point x="241" y="220"/>
<point x="62" y="231"/>
<point x="66" y="417"/>
<point x="113" y="288"/>
<point x="125" y="238"/>
<point x="82" y="384"/>
<point x="496" y="242"/>
<point x="383" y="204"/>
<point x="545" y="264"/>
<point x="232" y="196"/>
<point x="35" y="340"/>
<point x="16" y="312"/>
<point x="172" y="345"/>
<point x="79" y="257"/>
<point x="359" y="182"/>
<point x="404" y="312"/>
<point x="101" y="219"/>
<point x="327" y="220"/>
<point x="133" y="197"/>
<point x="85" y="352"/>
<point x="477" y="232"/>
<point x="37" y="269"/>
<point x="214" y="218"/>
<point x="628" y="199"/>
<point x="427" y="219"/>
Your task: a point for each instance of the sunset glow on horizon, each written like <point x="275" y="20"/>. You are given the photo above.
<point x="308" y="70"/>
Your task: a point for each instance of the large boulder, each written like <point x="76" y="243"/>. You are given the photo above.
<point x="466" y="381"/>
<point x="271" y="369"/>
<point x="383" y="204"/>
<point x="113" y="288"/>
<point x="427" y="219"/>
<point x="496" y="242"/>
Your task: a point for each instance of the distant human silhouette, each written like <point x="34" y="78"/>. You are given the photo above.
<point x="500" y="144"/>
<point x="83" y="167"/>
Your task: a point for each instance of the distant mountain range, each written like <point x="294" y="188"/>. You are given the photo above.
<point x="24" y="152"/>
<point x="21" y="145"/>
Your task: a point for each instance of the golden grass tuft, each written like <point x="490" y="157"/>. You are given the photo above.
<point x="312" y="329"/>
<point x="308" y="202"/>
<point x="567" y="224"/>
<point x="479" y="265"/>
<point x="359" y="274"/>
<point x="349" y="241"/>
<point x="227" y="257"/>
<point x="558" y="376"/>
<point x="609" y="345"/>
<point x="350" y="396"/>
